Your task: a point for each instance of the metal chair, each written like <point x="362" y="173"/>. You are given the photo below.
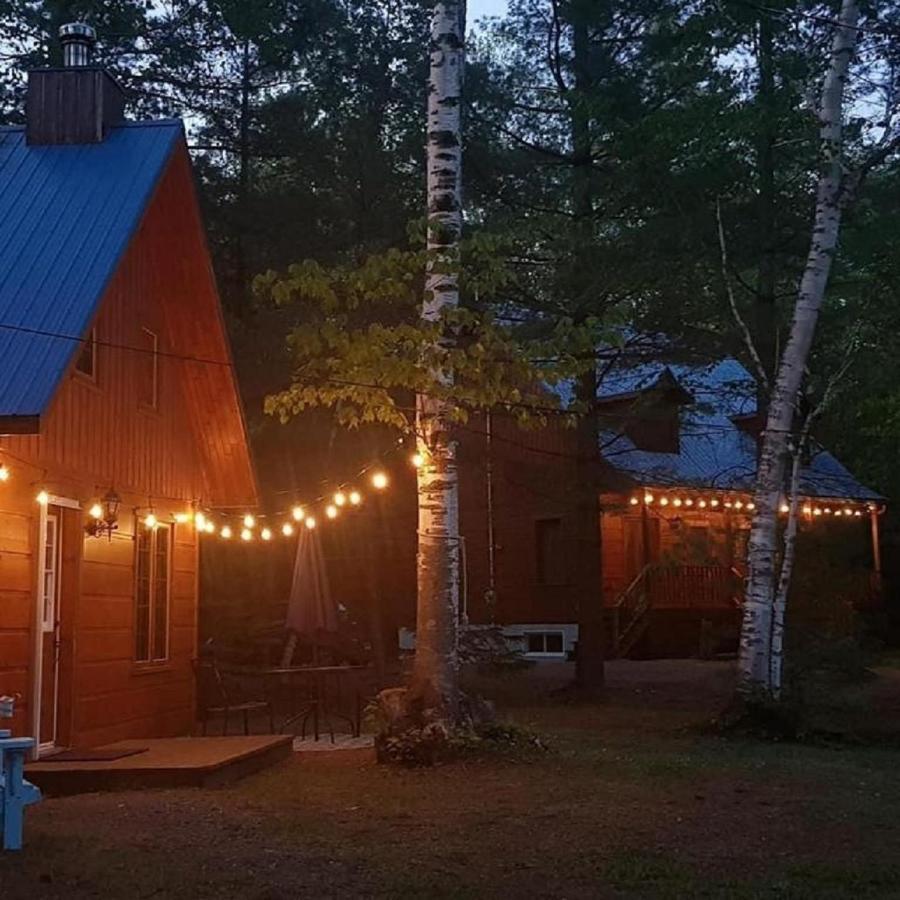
<point x="215" y="698"/>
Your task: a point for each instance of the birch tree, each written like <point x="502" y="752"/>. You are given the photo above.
<point x="756" y="633"/>
<point x="437" y="610"/>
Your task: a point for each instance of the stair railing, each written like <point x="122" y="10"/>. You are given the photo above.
<point x="630" y="607"/>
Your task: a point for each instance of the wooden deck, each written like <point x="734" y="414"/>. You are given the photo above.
<point x="165" y="763"/>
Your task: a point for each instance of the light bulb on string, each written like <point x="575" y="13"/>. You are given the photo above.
<point x="209" y="527"/>
<point x="418" y="460"/>
<point x="4" y="472"/>
<point x="266" y="534"/>
<point x="297" y="513"/>
<point x="713" y="503"/>
<point x="648" y="498"/>
<point x="634" y="501"/>
<point x="246" y="534"/>
<point x="355" y="498"/>
<point x="664" y="501"/>
<point x="225" y="532"/>
<point x="199" y="521"/>
<point x="150" y="520"/>
<point x="340" y="498"/>
<point x="331" y="511"/>
<point x="249" y="521"/>
<point x="310" y="523"/>
<point x="701" y="504"/>
<point x="287" y="529"/>
<point x="379" y="481"/>
<point x="43" y="498"/>
<point x="785" y="508"/>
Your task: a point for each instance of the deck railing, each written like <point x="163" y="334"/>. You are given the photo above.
<point x="694" y="587"/>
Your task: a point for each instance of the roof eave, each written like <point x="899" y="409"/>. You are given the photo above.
<point x="20" y="425"/>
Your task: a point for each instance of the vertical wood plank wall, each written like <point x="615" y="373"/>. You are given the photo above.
<point x="95" y="436"/>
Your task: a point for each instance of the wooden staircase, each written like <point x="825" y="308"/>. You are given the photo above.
<point x="689" y="588"/>
<point x="630" y="620"/>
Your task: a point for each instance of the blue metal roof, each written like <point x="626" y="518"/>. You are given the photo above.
<point x="67" y="215"/>
<point x="714" y="452"/>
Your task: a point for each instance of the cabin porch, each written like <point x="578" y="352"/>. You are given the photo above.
<point x="674" y="566"/>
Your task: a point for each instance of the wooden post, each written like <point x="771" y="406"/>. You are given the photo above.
<point x="876" y="544"/>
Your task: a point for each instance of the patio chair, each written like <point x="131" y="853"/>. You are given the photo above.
<point x="215" y="697"/>
<point x="15" y="792"/>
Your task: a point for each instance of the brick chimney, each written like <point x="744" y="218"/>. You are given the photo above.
<point x="75" y="104"/>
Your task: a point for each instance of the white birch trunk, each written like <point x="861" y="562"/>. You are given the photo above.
<point x="436" y="665"/>
<point x="779" y="606"/>
<point x="754" y="660"/>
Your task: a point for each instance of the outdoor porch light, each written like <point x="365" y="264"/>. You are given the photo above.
<point x="104" y="516"/>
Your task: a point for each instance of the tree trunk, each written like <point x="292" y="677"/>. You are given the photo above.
<point x="589" y="670"/>
<point x="779" y="605"/>
<point x="435" y="678"/>
<point x="765" y="327"/>
<point x="754" y="660"/>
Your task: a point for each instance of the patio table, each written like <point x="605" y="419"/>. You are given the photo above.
<point x="316" y="701"/>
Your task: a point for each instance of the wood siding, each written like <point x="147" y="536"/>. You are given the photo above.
<point x="98" y="435"/>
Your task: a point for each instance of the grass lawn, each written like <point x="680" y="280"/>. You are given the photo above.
<point x="631" y="800"/>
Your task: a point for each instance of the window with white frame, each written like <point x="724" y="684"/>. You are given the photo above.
<point x="86" y="364"/>
<point x="152" y="568"/>
<point x="545" y="643"/>
<point x="148" y="361"/>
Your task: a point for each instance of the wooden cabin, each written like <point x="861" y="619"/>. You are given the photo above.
<point x="679" y="454"/>
<point x="119" y="415"/>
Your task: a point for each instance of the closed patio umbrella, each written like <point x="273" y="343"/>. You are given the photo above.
<point x="311" y="611"/>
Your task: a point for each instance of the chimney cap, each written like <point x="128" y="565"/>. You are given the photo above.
<point x="77" y="39"/>
<point x="79" y="31"/>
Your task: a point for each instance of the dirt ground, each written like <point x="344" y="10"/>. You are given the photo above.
<point x="632" y="799"/>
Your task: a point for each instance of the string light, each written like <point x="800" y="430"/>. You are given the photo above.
<point x="648" y="498"/>
<point x="379" y="481"/>
<point x="246" y="534"/>
<point x="96" y="511"/>
<point x="266" y="534"/>
<point x="181" y="518"/>
<point x="331" y="511"/>
<point x="688" y="502"/>
<point x="340" y="498"/>
<point x="355" y="498"/>
<point x="209" y="527"/>
<point x="634" y="501"/>
<point x="701" y="504"/>
<point x="200" y="521"/>
<point x="676" y="501"/>
<point x="287" y="529"/>
<point x="664" y="501"/>
<point x="297" y="513"/>
<point x="43" y="498"/>
<point x="714" y="503"/>
<point x="225" y="532"/>
<point x="310" y="523"/>
<point x="249" y="521"/>
<point x="751" y="506"/>
<point x="417" y="460"/>
<point x="784" y="508"/>
<point x="4" y="472"/>
<point x="150" y="520"/>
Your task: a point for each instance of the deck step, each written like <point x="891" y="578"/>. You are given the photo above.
<point x="164" y="763"/>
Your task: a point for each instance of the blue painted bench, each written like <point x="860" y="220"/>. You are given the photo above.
<point x="15" y="792"/>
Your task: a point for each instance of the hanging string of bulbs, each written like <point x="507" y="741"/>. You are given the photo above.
<point x="246" y="526"/>
<point x="734" y="503"/>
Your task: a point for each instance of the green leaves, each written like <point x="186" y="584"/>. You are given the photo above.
<point x="361" y="349"/>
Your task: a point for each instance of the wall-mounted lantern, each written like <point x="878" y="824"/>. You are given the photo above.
<point x="104" y="516"/>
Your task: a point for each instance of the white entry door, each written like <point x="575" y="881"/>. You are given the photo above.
<point x="49" y="588"/>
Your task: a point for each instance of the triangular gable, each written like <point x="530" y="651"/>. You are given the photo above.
<point x="67" y="214"/>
